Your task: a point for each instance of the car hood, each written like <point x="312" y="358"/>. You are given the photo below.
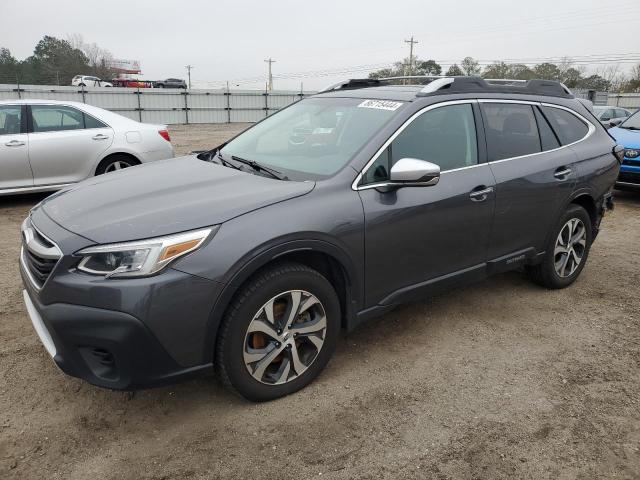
<point x="162" y="198"/>
<point x="625" y="137"/>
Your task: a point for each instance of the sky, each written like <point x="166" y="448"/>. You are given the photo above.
<point x="321" y="42"/>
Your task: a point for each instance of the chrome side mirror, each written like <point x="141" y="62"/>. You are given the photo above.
<point x="412" y="172"/>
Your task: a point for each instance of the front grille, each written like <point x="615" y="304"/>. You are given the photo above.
<point x="39" y="254"/>
<point x="40" y="268"/>
<point x="632" y="163"/>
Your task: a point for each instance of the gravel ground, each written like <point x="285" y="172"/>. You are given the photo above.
<point x="501" y="379"/>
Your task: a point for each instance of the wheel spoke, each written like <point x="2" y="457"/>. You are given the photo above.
<point x="294" y="308"/>
<point x="317" y="341"/>
<point x="579" y="236"/>
<point x="268" y="311"/>
<point x="253" y="355"/>
<point x="263" y="327"/>
<point x="298" y="366"/>
<point x="565" y="261"/>
<point x="262" y="365"/>
<point x="308" y="303"/>
<point x="116" y="166"/>
<point x="283" y="373"/>
<point x="310" y="327"/>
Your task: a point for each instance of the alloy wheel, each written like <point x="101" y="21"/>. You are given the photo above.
<point x="570" y="247"/>
<point x="285" y="337"/>
<point x="117" y="165"/>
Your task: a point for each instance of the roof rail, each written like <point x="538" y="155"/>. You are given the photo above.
<point x="478" y="85"/>
<point x="353" y="83"/>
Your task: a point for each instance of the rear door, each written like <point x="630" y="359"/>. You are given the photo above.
<point x="534" y="177"/>
<point x="15" y="171"/>
<point x="65" y="144"/>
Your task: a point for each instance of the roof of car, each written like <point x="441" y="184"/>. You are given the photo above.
<point x="107" y="116"/>
<point x="404" y="93"/>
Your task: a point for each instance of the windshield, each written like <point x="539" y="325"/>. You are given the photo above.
<point x="633" y="122"/>
<point x="598" y="111"/>
<point x="313" y="138"/>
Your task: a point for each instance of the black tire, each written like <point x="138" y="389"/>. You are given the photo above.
<point x="545" y="273"/>
<point x="81" y="85"/>
<point x="252" y="296"/>
<point x="106" y="164"/>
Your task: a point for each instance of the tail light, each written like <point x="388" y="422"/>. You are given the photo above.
<point x="164" y="133"/>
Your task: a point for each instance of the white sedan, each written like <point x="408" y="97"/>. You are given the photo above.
<point x="46" y="145"/>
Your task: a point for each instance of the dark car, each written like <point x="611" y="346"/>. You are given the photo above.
<point x="170" y="83"/>
<point x="251" y="257"/>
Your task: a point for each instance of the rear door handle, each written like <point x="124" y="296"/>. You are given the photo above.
<point x="480" y="195"/>
<point x="562" y="173"/>
<point x="100" y="136"/>
<point x="15" y="143"/>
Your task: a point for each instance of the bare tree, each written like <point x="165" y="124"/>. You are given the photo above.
<point x="100" y="59"/>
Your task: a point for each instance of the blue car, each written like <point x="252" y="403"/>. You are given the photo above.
<point x="628" y="135"/>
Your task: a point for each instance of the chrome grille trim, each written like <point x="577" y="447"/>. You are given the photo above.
<point x="39" y="254"/>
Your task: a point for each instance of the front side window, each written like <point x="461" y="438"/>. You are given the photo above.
<point x="620" y="113"/>
<point x="445" y="136"/>
<point x="313" y="138"/>
<point x="567" y="126"/>
<point x="10" y="119"/>
<point x="511" y="130"/>
<point x="54" y="118"/>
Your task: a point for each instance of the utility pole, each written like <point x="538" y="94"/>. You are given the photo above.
<point x="189" y="67"/>
<point x="411" y="43"/>
<point x="270" y="77"/>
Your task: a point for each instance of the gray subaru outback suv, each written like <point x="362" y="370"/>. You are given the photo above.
<point x="251" y="257"/>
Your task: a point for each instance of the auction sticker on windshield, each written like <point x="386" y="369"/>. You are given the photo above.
<point x="380" y="104"/>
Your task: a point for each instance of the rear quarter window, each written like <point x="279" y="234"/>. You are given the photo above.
<point x="567" y="126"/>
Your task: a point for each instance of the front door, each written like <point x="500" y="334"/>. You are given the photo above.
<point x="15" y="171"/>
<point x="417" y="236"/>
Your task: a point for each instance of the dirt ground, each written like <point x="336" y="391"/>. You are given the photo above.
<point x="501" y="379"/>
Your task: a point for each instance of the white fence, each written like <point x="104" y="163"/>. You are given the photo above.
<point x="155" y="105"/>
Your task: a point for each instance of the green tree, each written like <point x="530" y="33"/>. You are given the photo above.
<point x="594" y="82"/>
<point x="454" y="71"/>
<point x="55" y="61"/>
<point x="519" y="71"/>
<point x="429" y="67"/>
<point x="497" y="70"/>
<point x="571" y="77"/>
<point x="547" y="71"/>
<point x="470" y="66"/>
<point x="9" y="66"/>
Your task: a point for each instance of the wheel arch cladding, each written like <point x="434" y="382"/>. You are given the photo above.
<point x="339" y="274"/>
<point x="587" y="202"/>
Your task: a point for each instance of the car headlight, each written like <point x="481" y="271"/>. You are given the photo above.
<point x="140" y="258"/>
<point x="631" y="153"/>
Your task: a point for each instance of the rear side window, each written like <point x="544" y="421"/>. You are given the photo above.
<point x="511" y="130"/>
<point x="621" y="113"/>
<point x="567" y="126"/>
<point x="90" y="122"/>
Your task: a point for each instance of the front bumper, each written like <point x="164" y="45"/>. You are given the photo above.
<point x="629" y="175"/>
<point x="106" y="348"/>
<point x="115" y="333"/>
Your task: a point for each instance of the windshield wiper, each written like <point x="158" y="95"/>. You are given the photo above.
<point x="260" y="168"/>
<point x="226" y="163"/>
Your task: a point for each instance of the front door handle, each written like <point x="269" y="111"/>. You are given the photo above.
<point x="100" y="136"/>
<point x="562" y="173"/>
<point x="480" y="195"/>
<point x="15" y="143"/>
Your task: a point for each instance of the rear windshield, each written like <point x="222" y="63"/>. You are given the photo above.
<point x="315" y="137"/>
